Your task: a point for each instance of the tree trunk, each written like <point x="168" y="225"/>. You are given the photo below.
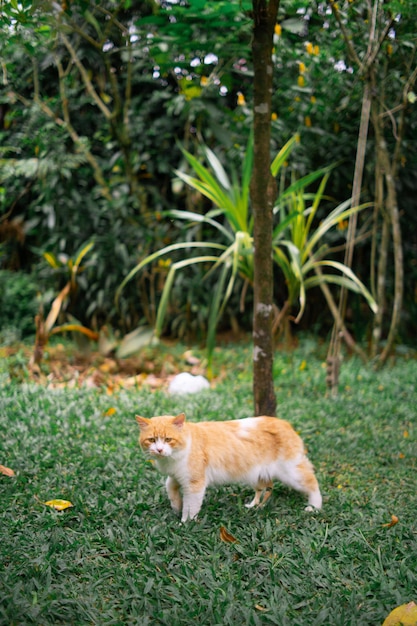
<point x="263" y="193"/>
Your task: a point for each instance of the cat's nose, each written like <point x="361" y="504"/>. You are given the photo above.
<point x="159" y="450"/>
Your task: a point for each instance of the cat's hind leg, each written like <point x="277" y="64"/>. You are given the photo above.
<point x="310" y="485"/>
<point x="301" y="477"/>
<point x="174" y="495"/>
<point x="262" y="494"/>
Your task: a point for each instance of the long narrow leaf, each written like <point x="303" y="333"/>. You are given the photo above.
<point x="78" y="328"/>
<point x="247" y="170"/>
<point x="85" y="250"/>
<point x="300" y="184"/>
<point x="163" y="304"/>
<point x="316" y="202"/>
<point x="217" y="168"/>
<point x="152" y="257"/>
<point x="214" y="318"/>
<point x="197" y="217"/>
<point x="346" y="271"/>
<point x="56" y="308"/>
<point x="281" y="227"/>
<point x="337" y="215"/>
<point x="211" y="191"/>
<point x="282" y="155"/>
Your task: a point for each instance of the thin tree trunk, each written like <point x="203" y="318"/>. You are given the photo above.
<point x="380" y="247"/>
<point x="394" y="216"/>
<point x="263" y="193"/>
<point x="333" y="356"/>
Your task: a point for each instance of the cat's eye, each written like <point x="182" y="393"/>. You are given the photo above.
<point x="168" y="439"/>
<point x="151" y="439"/>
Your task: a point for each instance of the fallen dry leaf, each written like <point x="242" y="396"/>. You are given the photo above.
<point x="406" y="615"/>
<point x="394" y="520"/>
<point x="226" y="536"/>
<point x="6" y="471"/>
<point x="59" y="505"/>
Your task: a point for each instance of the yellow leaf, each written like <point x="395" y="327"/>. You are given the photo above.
<point x="6" y="471"/>
<point x="50" y="258"/>
<point x="110" y="411"/>
<point x="260" y="608"/>
<point x="404" y="615"/>
<point x="394" y="520"/>
<point x="59" y="505"/>
<point x="303" y="365"/>
<point x="226" y="536"/>
<point x="106" y="98"/>
<point x="240" y="99"/>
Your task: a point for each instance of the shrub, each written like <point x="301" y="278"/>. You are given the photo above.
<point x="18" y="306"/>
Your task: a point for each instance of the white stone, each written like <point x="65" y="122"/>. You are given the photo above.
<point x="187" y="383"/>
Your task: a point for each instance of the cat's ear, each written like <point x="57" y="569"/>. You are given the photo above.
<point x="179" y="420"/>
<point x="142" y="421"/>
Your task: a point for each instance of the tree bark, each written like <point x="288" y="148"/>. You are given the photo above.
<point x="263" y="193"/>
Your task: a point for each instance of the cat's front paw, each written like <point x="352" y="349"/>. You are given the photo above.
<point x="311" y="509"/>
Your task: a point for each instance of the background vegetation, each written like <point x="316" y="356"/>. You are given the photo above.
<point x="91" y="131"/>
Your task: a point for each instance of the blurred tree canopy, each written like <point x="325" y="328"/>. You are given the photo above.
<point x="97" y="99"/>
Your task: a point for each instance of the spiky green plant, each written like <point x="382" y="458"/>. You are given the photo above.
<point x="299" y="249"/>
<point x="294" y="240"/>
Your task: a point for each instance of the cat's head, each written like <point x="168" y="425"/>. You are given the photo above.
<point x="161" y="436"/>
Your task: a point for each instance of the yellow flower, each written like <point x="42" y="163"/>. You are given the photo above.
<point x="300" y="81"/>
<point x="342" y="225"/>
<point x="309" y="47"/>
<point x="297" y="99"/>
<point x="274" y="117"/>
<point x="307" y="121"/>
<point x="203" y="81"/>
<point x="313" y="99"/>
<point x="278" y="29"/>
<point x="240" y="99"/>
<point x="390" y="49"/>
<point x="316" y="50"/>
<point x="301" y="67"/>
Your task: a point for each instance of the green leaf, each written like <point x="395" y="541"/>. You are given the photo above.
<point x="135" y="341"/>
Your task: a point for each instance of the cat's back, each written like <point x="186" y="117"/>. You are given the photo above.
<point x="263" y="433"/>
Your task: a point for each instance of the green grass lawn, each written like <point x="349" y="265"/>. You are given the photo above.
<point x="120" y="555"/>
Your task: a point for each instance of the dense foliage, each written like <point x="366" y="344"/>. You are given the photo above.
<point x="91" y="131"/>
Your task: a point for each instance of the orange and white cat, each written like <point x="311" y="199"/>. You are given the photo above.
<point x="254" y="451"/>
